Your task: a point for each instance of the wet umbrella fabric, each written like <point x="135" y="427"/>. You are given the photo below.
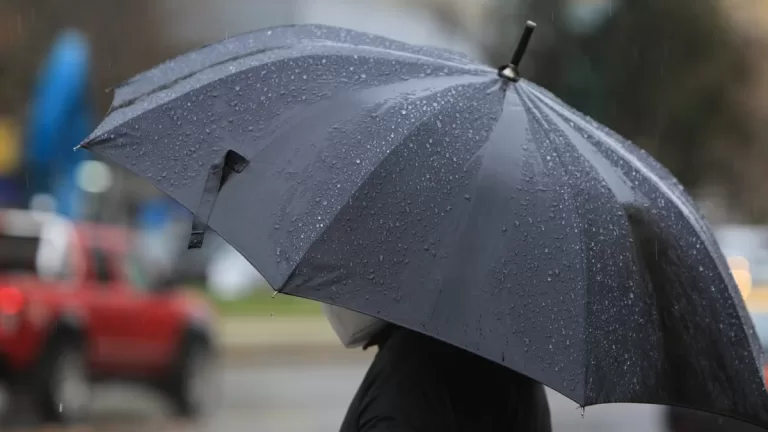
<point x="415" y="185"/>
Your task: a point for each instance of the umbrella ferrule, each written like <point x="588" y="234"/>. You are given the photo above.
<point x="510" y="71"/>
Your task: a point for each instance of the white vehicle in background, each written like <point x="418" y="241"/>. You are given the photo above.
<point x="746" y="247"/>
<point x="230" y="276"/>
<point x="217" y="264"/>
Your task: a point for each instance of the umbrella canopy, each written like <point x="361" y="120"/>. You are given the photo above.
<point x="412" y="184"/>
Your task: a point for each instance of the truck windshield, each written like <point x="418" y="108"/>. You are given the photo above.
<point x="18" y="254"/>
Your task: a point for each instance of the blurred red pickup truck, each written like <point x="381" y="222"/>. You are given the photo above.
<point x="78" y="306"/>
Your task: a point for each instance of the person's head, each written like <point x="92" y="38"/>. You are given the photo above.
<point x="353" y="329"/>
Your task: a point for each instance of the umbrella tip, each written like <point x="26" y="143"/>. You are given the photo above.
<point x="510" y="71"/>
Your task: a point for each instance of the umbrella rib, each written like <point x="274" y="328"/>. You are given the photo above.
<point x="538" y="117"/>
<point x="215" y="46"/>
<point x="173" y="82"/>
<point x="177" y="80"/>
<point x="471" y="70"/>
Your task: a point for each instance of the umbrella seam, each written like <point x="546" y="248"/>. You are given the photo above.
<point x="538" y="118"/>
<point x="474" y="70"/>
<point x="305" y="42"/>
<point x="268" y="30"/>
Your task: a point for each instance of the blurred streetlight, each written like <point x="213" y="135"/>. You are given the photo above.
<point x="9" y="145"/>
<point x="93" y="176"/>
<point x="585" y="16"/>
<point x="741" y="274"/>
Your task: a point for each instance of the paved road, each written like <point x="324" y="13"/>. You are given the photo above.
<point x="305" y="398"/>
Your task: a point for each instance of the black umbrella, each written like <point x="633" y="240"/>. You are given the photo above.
<point x="413" y="184"/>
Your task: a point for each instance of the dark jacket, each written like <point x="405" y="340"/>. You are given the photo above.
<point x="419" y="384"/>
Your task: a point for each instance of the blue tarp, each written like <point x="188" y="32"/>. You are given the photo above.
<point x="60" y="118"/>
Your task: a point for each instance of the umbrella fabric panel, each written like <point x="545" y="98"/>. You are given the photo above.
<point x="428" y="240"/>
<point x="305" y="133"/>
<point x="323" y="159"/>
<point x="303" y="61"/>
<point x="685" y="302"/>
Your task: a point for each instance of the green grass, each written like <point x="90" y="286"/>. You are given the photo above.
<point x="261" y="303"/>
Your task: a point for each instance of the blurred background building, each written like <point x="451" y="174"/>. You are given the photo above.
<point x="689" y="87"/>
<point x="692" y="90"/>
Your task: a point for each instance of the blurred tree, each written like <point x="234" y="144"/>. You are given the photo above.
<point x="126" y="36"/>
<point x="670" y="75"/>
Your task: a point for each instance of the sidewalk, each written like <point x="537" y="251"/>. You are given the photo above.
<point x="283" y="339"/>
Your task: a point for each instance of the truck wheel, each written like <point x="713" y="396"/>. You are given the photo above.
<point x="63" y="390"/>
<point x="193" y="387"/>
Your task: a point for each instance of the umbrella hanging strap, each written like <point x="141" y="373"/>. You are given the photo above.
<point x="218" y="174"/>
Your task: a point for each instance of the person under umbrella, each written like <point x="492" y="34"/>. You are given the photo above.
<point x="417" y="383"/>
<point x="458" y="201"/>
